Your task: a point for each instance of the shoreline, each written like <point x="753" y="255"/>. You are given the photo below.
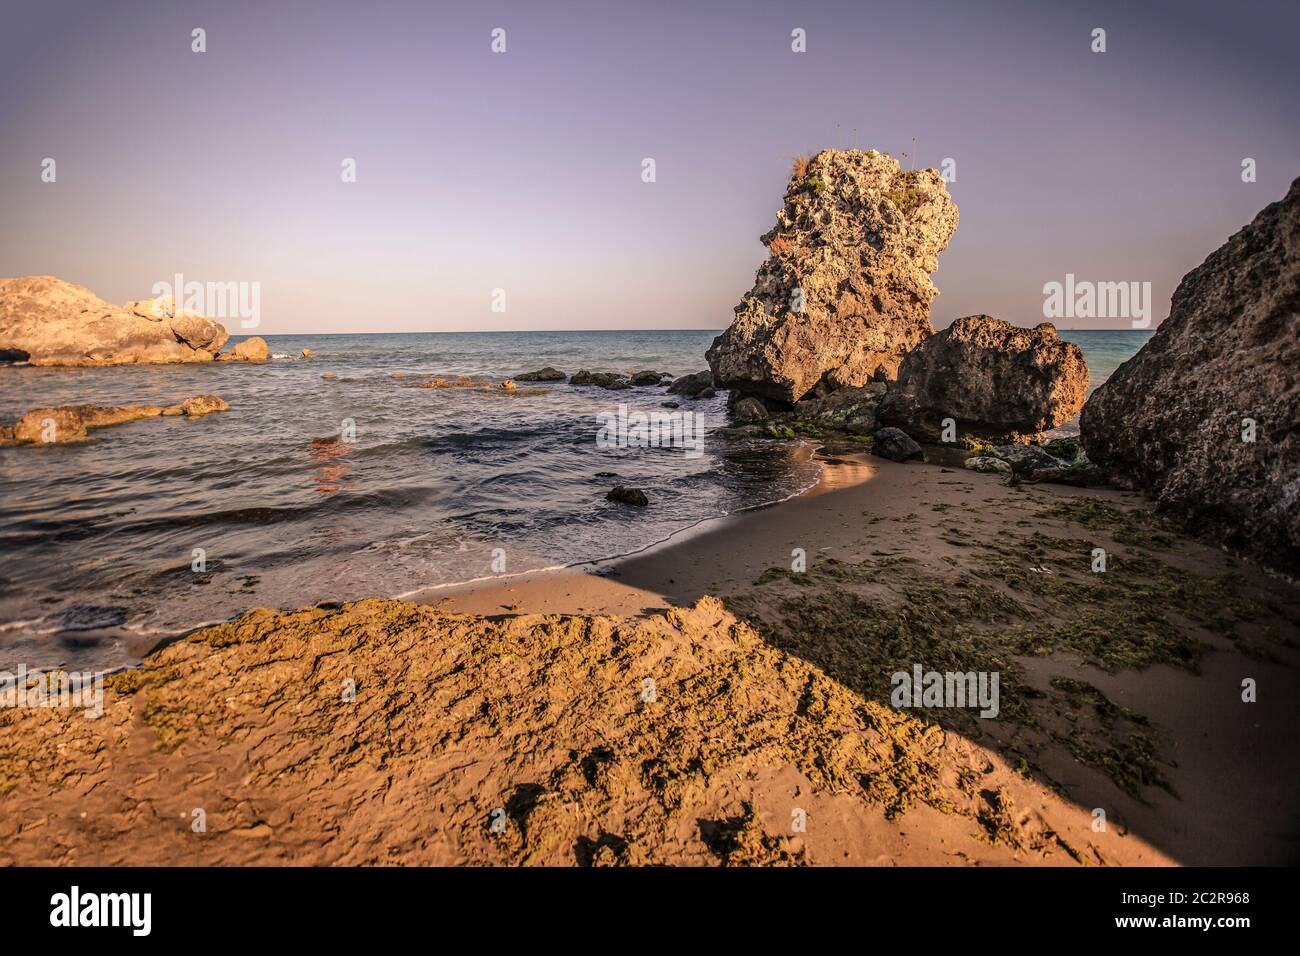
<point x="787" y="670"/>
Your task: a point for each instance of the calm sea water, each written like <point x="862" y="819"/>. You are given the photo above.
<point x="100" y="540"/>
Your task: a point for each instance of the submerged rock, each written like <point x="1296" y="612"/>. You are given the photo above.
<point x="896" y="445"/>
<point x="547" y="374"/>
<point x="993" y="379"/>
<point x="69" y="423"/>
<point x="647" y="377"/>
<point x="845" y="291"/>
<point x="628" y="496"/>
<point x="54" y="322"/>
<point x="1204" y="417"/>
<point x="608" y="380"/>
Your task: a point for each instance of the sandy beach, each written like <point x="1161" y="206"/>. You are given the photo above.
<point x="703" y="704"/>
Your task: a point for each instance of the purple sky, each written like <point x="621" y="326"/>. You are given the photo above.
<point x="523" y="170"/>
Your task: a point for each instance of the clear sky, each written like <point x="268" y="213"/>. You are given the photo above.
<point x="522" y="170"/>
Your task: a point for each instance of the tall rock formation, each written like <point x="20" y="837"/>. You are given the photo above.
<point x="1206" y="417"/>
<point x="845" y="291"/>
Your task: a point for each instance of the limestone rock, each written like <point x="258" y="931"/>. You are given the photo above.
<point x="69" y="423"/>
<point x="253" y="349"/>
<point x="845" y="291"/>
<point x="1176" y="419"/>
<point x="995" y="380"/>
<point x="58" y="323"/>
<point x="607" y="380"/>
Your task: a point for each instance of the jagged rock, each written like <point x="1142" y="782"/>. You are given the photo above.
<point x="850" y="409"/>
<point x="49" y="425"/>
<point x="58" y="323"/>
<point x="547" y="374"/>
<point x="253" y="349"/>
<point x="845" y="291"/>
<point x="1172" y="420"/>
<point x="995" y="380"/>
<point x="628" y="496"/>
<point x="750" y="410"/>
<point x="608" y="380"/>
<point x="896" y="445"/>
<point x="692" y="385"/>
<point x="508" y="385"/>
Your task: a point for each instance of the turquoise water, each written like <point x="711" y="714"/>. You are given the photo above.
<point x="439" y="485"/>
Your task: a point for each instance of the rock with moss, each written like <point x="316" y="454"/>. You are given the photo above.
<point x="845" y="290"/>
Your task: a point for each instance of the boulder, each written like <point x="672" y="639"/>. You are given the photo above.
<point x="997" y="382"/>
<point x="1206" y="416"/>
<point x="252" y="349"/>
<point x="198" y="405"/>
<point x="750" y="409"/>
<point x="547" y="374"/>
<point x="896" y="445"/>
<point x="49" y="425"/>
<point x="647" y="377"/>
<point x="58" y="323"/>
<point x="988" y="464"/>
<point x="691" y="385"/>
<point x="307" y="353"/>
<point x="1028" y="461"/>
<point x="607" y="380"/>
<point x="628" y="496"/>
<point x="850" y="409"/>
<point x="845" y="290"/>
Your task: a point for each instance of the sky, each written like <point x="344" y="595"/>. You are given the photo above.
<point x="522" y="170"/>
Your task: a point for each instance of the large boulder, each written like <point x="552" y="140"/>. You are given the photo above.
<point x="1206" y="417"/>
<point x="59" y="323"/>
<point x="994" y="379"/>
<point x="845" y="291"/>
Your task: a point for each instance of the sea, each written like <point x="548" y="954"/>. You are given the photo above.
<point x="314" y="489"/>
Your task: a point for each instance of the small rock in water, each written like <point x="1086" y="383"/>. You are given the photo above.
<point x="547" y="374"/>
<point x="647" y="377"/>
<point x="692" y="385"/>
<point x="628" y="496"/>
<point x="307" y="353"/>
<point x="328" y="375"/>
<point x="750" y="410"/>
<point x="671" y="404"/>
<point x="896" y="445"/>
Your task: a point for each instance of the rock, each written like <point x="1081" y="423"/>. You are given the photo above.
<point x="547" y="374"/>
<point x="851" y="409"/>
<point x="691" y="385"/>
<point x="253" y="349"/>
<point x="896" y="445"/>
<point x="1172" y="420"/>
<point x="607" y="380"/>
<point x="307" y="353"/>
<point x="1065" y="449"/>
<point x="845" y="291"/>
<point x="508" y="386"/>
<point x="647" y="377"/>
<point x="198" y="405"/>
<point x="49" y="426"/>
<point x="69" y="423"/>
<point x="750" y="410"/>
<point x="1028" y="461"/>
<point x="331" y="375"/>
<point x="995" y="380"/>
<point x="10" y="356"/>
<point x="58" y="323"/>
<point x="671" y="404"/>
<point x="987" y="463"/>
<point x="707" y="392"/>
<point x="628" y="496"/>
